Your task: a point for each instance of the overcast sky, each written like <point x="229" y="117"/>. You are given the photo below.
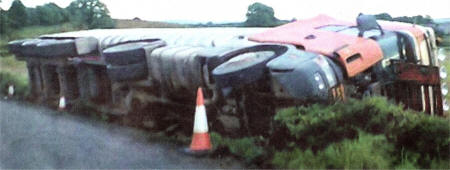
<point x="234" y="10"/>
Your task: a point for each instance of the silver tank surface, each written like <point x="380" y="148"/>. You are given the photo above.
<point x="202" y="37"/>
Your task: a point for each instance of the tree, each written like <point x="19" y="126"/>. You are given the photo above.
<point x="383" y="16"/>
<point x="90" y="13"/>
<point x="4" y="23"/>
<point x="260" y="15"/>
<point x="33" y="17"/>
<point x="51" y="14"/>
<point x="17" y="14"/>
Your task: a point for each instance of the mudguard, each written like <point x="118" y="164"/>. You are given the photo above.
<point x="56" y="48"/>
<point x="130" y="53"/>
<point x="52" y="48"/>
<point x="28" y="48"/>
<point x="67" y="47"/>
<point x="246" y="65"/>
<point x="15" y="46"/>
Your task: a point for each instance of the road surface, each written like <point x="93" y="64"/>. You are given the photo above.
<point x="37" y="137"/>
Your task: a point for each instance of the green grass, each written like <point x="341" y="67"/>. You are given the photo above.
<point x="246" y="148"/>
<point x="372" y="133"/>
<point x="20" y="85"/>
<point x="35" y="31"/>
<point x="9" y="64"/>
<point x="366" y="152"/>
<point x="344" y="135"/>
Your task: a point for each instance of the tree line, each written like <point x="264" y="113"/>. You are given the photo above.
<point x="90" y="14"/>
<point x="418" y="19"/>
<point x="82" y="14"/>
<point x="261" y="15"/>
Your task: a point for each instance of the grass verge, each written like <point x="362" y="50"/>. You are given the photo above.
<point x="20" y="85"/>
<point x="361" y="134"/>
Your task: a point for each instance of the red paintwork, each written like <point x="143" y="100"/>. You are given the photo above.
<point x="414" y="76"/>
<point x="329" y="43"/>
<point x="388" y="25"/>
<point x="326" y="42"/>
<point x="419" y="74"/>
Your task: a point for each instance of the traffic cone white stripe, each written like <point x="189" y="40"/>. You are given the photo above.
<point x="10" y="90"/>
<point x="62" y="103"/>
<point x="200" y="139"/>
<point x="201" y="121"/>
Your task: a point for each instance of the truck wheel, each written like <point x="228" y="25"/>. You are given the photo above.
<point x="14" y="46"/>
<point x="242" y="69"/>
<point x="68" y="47"/>
<point x="127" y="72"/>
<point x="28" y="48"/>
<point x="130" y="53"/>
<point x="246" y="65"/>
<point x="56" y="48"/>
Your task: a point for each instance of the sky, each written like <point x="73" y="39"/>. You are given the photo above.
<point x="234" y="10"/>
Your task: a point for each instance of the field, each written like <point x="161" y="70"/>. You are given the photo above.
<point x="128" y="23"/>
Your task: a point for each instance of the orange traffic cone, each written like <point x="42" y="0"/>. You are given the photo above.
<point x="62" y="103"/>
<point x="201" y="143"/>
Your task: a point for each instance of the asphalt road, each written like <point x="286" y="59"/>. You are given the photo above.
<point x="37" y="137"/>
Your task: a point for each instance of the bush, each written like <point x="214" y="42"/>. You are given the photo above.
<point x="247" y="148"/>
<point x="368" y="151"/>
<point x="419" y="139"/>
<point x="317" y="126"/>
<point x="419" y="133"/>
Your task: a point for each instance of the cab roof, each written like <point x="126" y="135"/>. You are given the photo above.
<point x="313" y="34"/>
<point x="331" y="37"/>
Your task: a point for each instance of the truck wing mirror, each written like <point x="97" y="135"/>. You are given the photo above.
<point x="366" y="23"/>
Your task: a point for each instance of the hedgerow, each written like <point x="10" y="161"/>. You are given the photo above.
<point x="416" y="138"/>
<point x="367" y="151"/>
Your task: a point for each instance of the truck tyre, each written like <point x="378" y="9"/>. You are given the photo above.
<point x="14" y="46"/>
<point x="127" y="72"/>
<point x="68" y="47"/>
<point x="130" y="53"/>
<point x="28" y="48"/>
<point x="246" y="67"/>
<point x="56" y="48"/>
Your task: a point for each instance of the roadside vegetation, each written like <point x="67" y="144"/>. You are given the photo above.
<point x="357" y="134"/>
<point x="446" y="64"/>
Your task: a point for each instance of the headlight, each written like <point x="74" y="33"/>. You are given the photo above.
<point x="441" y="55"/>
<point x="443" y="73"/>
<point x="444" y="89"/>
<point x="445" y="105"/>
<point x="318" y="78"/>
<point x="325" y="66"/>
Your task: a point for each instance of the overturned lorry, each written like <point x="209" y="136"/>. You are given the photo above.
<point x="246" y="73"/>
